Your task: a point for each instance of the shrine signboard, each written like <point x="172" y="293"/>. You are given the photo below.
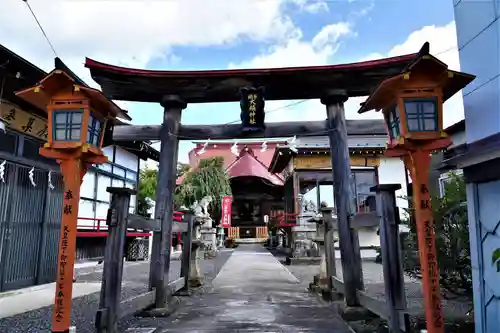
<point x="252" y="109"/>
<point x="226" y="211"/>
<point x="23" y="121"/>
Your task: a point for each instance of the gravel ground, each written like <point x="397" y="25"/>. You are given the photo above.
<point x="135" y="281"/>
<point x="373" y="277"/>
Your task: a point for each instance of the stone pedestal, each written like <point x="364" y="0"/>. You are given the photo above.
<point x="322" y="276"/>
<point x="220" y="238"/>
<point x="209" y="238"/>
<point x="304" y="229"/>
<point x="195" y="274"/>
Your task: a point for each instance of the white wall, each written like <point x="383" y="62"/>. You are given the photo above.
<point x="94" y="186"/>
<point x="126" y="159"/>
<point x="392" y="171"/>
<point x="367" y="237"/>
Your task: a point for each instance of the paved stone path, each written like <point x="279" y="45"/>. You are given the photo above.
<point x="255" y="293"/>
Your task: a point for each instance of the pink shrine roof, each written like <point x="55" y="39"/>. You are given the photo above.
<point x="251" y="161"/>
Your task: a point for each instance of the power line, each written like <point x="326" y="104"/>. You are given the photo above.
<point x="273" y="110"/>
<point x="41" y="28"/>
<point x="470" y="40"/>
<point x="481" y="85"/>
<point x="236" y="121"/>
<point x="467" y="43"/>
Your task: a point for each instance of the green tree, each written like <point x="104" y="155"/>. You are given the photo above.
<point x="147" y="186"/>
<point x="209" y="179"/>
<point x="146" y="190"/>
<point x="182" y="168"/>
<point x="452" y="240"/>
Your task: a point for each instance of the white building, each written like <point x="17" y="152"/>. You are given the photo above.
<point x="122" y="170"/>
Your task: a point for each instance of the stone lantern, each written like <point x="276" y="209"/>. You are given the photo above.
<point x="412" y="105"/>
<point x="77" y="117"/>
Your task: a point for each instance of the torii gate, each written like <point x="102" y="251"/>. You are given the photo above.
<point x="332" y="84"/>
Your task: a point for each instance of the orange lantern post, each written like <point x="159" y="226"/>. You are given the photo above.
<point x="412" y="104"/>
<point x="77" y="116"/>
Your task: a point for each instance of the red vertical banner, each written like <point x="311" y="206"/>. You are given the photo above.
<point x="226" y="211"/>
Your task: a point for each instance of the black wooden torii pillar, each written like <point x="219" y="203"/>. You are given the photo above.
<point x="174" y="89"/>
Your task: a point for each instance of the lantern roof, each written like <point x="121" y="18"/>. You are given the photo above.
<point x="425" y="63"/>
<point x="40" y="94"/>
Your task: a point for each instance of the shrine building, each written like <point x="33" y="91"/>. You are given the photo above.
<point x="276" y="180"/>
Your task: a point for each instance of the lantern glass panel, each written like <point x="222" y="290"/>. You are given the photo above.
<point x="67" y="125"/>
<point x="421" y="114"/>
<point x="94" y="131"/>
<point x="393" y="123"/>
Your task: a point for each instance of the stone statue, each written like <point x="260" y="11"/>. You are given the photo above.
<point x="200" y="209"/>
<point x="310" y="206"/>
<point x="196" y="209"/>
<point x="205" y="201"/>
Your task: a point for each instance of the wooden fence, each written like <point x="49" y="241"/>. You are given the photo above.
<point x="393" y="310"/>
<point x="111" y="307"/>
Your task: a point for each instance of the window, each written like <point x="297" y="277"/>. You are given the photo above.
<point x="118" y="171"/>
<point x="132" y="175"/>
<point x="445" y="178"/>
<point x="67" y="125"/>
<point x="31" y="150"/>
<point x="393" y="122"/>
<point x="421" y="114"/>
<point x="361" y="182"/>
<point x="94" y="131"/>
<point x="105" y="167"/>
<point x="8" y="141"/>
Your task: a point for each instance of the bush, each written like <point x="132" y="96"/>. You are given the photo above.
<point x="452" y="241"/>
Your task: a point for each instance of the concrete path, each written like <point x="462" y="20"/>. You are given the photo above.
<point x="28" y="299"/>
<point x="254" y="293"/>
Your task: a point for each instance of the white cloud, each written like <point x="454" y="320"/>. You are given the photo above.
<point x="443" y="42"/>
<point x="322" y="47"/>
<point x="311" y="6"/>
<point x="298" y="52"/>
<point x="443" y="45"/>
<point x="329" y="35"/>
<point x="130" y="33"/>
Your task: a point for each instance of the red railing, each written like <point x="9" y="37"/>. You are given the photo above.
<point x="99" y="227"/>
<point x="284" y="219"/>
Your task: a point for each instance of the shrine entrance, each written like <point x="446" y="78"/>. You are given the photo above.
<point x="333" y="85"/>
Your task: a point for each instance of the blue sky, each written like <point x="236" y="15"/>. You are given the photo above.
<point x="377" y="26"/>
<point x="220" y="34"/>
